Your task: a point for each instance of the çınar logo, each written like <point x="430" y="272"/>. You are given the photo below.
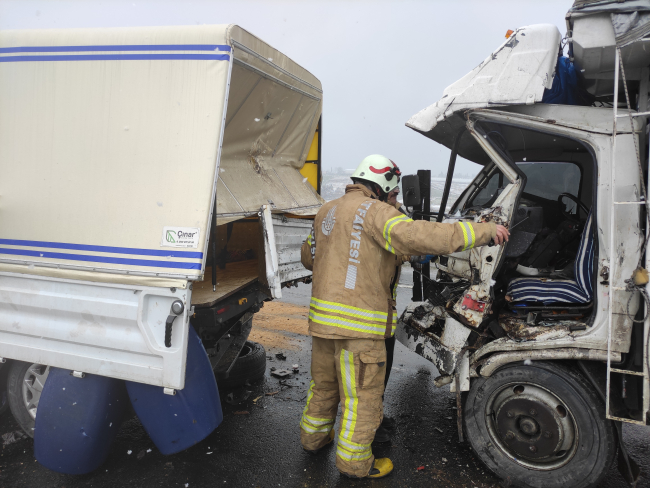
<point x="180" y="237"/>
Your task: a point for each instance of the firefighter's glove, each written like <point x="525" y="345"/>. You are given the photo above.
<point x="422" y="259"/>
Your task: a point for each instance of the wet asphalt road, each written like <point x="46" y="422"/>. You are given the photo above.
<point x="258" y="442"/>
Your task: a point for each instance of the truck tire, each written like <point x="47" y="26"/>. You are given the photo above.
<point x="24" y="387"/>
<point x="249" y="366"/>
<point x="541" y="425"/>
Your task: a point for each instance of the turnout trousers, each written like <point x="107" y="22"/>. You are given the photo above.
<point x="350" y="372"/>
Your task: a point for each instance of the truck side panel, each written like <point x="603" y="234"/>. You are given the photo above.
<point x="110" y="330"/>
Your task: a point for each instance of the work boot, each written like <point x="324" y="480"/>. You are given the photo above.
<point x="382" y="435"/>
<point x="380" y="468"/>
<point x="313" y="452"/>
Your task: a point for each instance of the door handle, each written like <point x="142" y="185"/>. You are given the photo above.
<point x="176" y="309"/>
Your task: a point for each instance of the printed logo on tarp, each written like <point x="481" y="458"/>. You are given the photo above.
<point x="180" y="237"/>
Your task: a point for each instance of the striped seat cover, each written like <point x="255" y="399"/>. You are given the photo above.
<point x="542" y="290"/>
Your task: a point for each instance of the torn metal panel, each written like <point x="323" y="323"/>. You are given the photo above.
<point x="415" y="330"/>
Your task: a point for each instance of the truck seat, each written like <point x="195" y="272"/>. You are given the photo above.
<point x="535" y="291"/>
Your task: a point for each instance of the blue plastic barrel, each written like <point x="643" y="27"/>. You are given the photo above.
<point x="77" y="421"/>
<point x="176" y="422"/>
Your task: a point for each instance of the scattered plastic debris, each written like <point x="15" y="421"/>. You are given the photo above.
<point x="438" y="429"/>
<point x="237" y="397"/>
<point x="528" y="362"/>
<point x="12" y="437"/>
<point x="148" y="450"/>
<point x="295" y="368"/>
<point x="444" y="460"/>
<point x="210" y="452"/>
<point x="129" y="452"/>
<point x="255" y="399"/>
<point x="272" y="393"/>
<point x="281" y="373"/>
<point x="280" y="356"/>
<point x="420" y="468"/>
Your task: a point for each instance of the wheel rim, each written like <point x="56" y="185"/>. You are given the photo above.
<point x="33" y="383"/>
<point x="532" y="426"/>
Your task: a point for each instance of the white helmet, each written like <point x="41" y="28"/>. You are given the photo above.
<point x="378" y="169"/>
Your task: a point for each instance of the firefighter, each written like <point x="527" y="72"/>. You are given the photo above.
<point x="353" y="249"/>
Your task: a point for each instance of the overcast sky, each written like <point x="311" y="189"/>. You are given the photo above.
<point x="379" y="61"/>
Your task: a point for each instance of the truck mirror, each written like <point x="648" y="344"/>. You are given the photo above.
<point x="411" y="190"/>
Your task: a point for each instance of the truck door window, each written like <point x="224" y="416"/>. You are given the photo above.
<point x="549" y="180"/>
<point x="488" y="193"/>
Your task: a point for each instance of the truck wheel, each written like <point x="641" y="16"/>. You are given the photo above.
<point x="250" y="365"/>
<point x="540" y="426"/>
<point x="24" y="387"/>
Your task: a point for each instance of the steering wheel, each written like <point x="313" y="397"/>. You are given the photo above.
<point x="567" y="215"/>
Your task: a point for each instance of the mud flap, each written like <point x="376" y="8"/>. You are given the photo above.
<point x="627" y="466"/>
<point x="77" y="421"/>
<point x="179" y="420"/>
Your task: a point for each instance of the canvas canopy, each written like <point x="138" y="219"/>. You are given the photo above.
<point x="111" y="142"/>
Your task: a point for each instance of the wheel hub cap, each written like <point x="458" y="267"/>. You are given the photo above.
<point x="33" y="383"/>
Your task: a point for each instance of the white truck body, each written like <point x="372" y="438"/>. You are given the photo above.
<point x="116" y="147"/>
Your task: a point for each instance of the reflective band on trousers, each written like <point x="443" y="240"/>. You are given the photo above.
<point x="371" y="315"/>
<point x="320" y="318"/>
<point x="468" y="235"/>
<point x="347" y="449"/>
<point x="388" y="227"/>
<point x="314" y="425"/>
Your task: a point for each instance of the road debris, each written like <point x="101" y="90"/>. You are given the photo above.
<point x="237" y="397"/>
<point x="12" y="437"/>
<point x="255" y="399"/>
<point x="271" y="393"/>
<point x="280" y="356"/>
<point x="420" y="468"/>
<point x="438" y="429"/>
<point x="281" y="373"/>
<point x="242" y="412"/>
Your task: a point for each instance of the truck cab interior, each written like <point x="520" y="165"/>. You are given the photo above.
<point x="544" y="276"/>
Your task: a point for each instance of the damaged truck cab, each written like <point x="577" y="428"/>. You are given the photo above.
<point x="545" y="339"/>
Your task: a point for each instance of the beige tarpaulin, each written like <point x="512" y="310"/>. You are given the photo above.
<point x="273" y="109"/>
<point x="110" y="140"/>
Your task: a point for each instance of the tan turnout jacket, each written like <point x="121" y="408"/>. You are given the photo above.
<point x="353" y="250"/>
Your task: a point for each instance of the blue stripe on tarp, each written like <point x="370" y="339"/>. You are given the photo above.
<point x="100" y="259"/>
<point x="144" y="47"/>
<point x="116" y="57"/>
<point x="115" y="250"/>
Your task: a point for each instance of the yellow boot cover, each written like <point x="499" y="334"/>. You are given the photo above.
<point x="380" y="468"/>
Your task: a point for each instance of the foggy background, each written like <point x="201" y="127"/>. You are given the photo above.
<point x="379" y="62"/>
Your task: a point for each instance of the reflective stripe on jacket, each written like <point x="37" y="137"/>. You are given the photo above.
<point x="355" y="244"/>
